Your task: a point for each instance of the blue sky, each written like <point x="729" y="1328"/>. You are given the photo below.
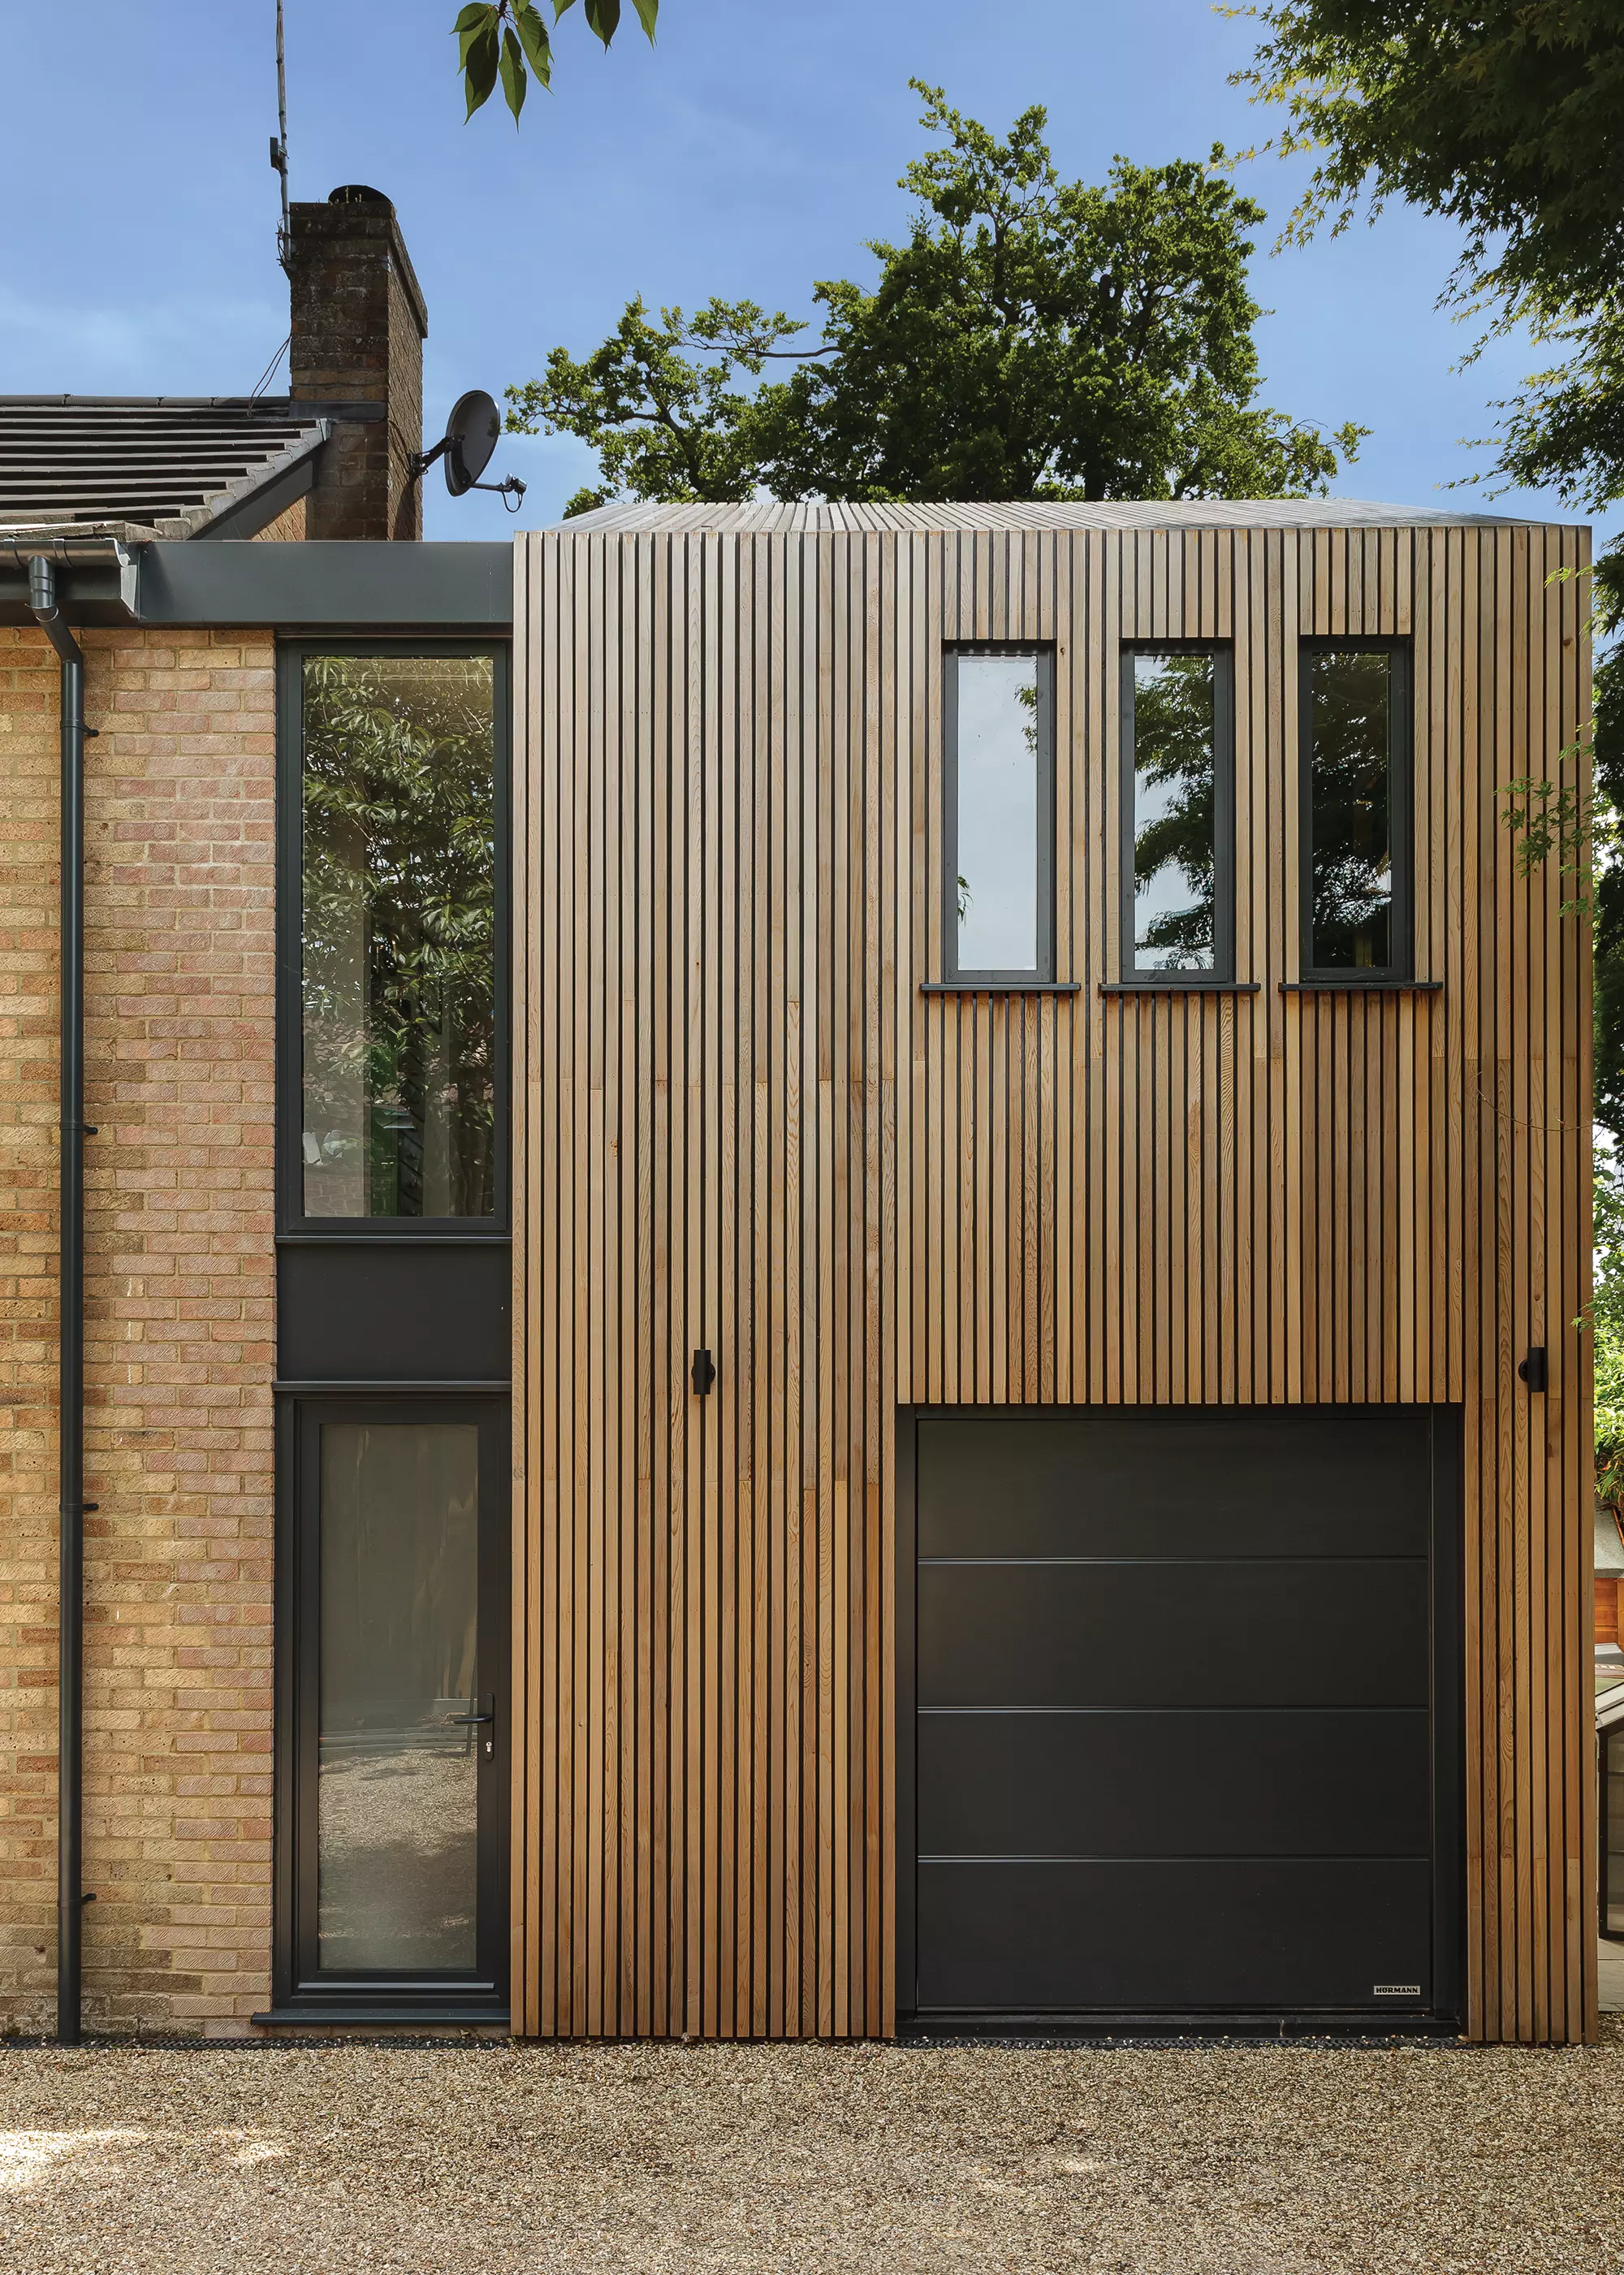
<point x="751" y="153"/>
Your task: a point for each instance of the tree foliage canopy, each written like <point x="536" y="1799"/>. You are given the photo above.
<point x="509" y="39"/>
<point x="1503" y="114"/>
<point x="1506" y="116"/>
<point x="1031" y="339"/>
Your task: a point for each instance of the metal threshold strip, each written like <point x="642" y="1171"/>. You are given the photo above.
<point x="421" y="2014"/>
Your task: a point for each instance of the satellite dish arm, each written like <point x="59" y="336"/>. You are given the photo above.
<point x="421" y="461"/>
<point x="474" y="417"/>
<point x="512" y="488"/>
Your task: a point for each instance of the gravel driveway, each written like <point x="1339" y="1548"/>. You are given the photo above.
<point x="674" y="2160"/>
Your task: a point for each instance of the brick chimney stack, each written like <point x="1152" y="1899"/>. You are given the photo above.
<point x="358" y="324"/>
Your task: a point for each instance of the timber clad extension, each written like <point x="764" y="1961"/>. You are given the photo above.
<point x="741" y="1126"/>
<point x="1026" y="1512"/>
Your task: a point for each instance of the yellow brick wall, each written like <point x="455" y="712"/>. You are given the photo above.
<point x="28" y="1013"/>
<point x="288" y="527"/>
<point x="180" y="1302"/>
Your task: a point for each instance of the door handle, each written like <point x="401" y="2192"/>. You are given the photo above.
<point x="472" y="1721"/>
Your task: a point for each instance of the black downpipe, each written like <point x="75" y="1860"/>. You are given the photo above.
<point x="70" y="1368"/>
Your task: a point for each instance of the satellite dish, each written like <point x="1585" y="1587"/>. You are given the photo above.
<point x="472" y="433"/>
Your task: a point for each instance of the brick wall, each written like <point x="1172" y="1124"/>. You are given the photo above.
<point x="28" y="1013"/>
<point x="358" y="324"/>
<point x="287" y="528"/>
<point x="180" y="1292"/>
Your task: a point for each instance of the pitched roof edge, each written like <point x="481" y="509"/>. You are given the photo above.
<point x="227" y="504"/>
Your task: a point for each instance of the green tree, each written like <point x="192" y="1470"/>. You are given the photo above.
<point x="663" y="426"/>
<point x="509" y="39"/>
<point x="1503" y="116"/>
<point x="1506" y="118"/>
<point x="1031" y="339"/>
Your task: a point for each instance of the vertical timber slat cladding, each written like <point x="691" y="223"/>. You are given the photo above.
<point x="742" y="1128"/>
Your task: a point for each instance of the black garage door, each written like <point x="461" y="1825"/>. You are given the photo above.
<point x="1178" y="1749"/>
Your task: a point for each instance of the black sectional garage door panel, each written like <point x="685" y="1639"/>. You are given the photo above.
<point x="1176" y="1745"/>
<point x="1250" y="1632"/>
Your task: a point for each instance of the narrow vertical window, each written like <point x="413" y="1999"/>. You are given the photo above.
<point x="1001" y="815"/>
<point x="398" y="1080"/>
<point x="1178" y="901"/>
<point x="1356" y="822"/>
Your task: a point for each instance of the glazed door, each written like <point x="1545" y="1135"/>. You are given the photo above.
<point x="400" y="1752"/>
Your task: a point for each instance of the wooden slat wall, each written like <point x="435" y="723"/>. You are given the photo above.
<point x="740" y="1126"/>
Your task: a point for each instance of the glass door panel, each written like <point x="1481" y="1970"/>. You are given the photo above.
<point x="398" y="1797"/>
<point x="395" y="1828"/>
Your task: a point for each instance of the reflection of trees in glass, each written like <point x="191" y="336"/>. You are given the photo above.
<point x="399" y="996"/>
<point x="1172" y="753"/>
<point x="1026" y="696"/>
<point x="1353" y="861"/>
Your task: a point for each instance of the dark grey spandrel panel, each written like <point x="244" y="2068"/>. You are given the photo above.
<point x="1177" y="1938"/>
<point x="368" y="1311"/>
<point x="1309" y="1783"/>
<point x="1312" y="1483"/>
<point x="380" y="587"/>
<point x="1288" y="1634"/>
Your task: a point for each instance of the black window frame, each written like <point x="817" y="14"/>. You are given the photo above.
<point x="1042" y="653"/>
<point x="292" y="1222"/>
<point x="1220" y="973"/>
<point x="1401" y="966"/>
<point x="302" y="1989"/>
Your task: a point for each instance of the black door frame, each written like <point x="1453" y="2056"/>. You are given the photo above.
<point x="302" y="1992"/>
<point x="1446" y="1583"/>
<point x="378" y="1316"/>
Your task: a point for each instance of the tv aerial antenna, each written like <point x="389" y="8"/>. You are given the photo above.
<point x="472" y="433"/>
<point x="279" y="146"/>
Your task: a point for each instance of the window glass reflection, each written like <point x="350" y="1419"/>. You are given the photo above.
<point x="999" y="766"/>
<point x="398" y="962"/>
<point x="1174" y="812"/>
<point x="397" y="1787"/>
<point x="1350" y="802"/>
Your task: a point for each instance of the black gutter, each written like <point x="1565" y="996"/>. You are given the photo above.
<point x="71" y="1296"/>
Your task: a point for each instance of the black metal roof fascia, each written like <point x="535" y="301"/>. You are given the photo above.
<point x="377" y="587"/>
<point x="354" y="584"/>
